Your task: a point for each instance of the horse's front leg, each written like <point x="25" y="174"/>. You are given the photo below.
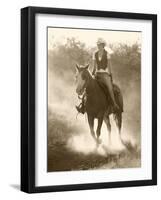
<point x="91" y="126"/>
<point x="118" y="120"/>
<point x="98" y="131"/>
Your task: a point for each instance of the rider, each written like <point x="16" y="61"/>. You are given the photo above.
<point x="102" y="71"/>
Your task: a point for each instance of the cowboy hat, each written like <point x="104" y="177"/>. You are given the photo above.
<point x="101" y="41"/>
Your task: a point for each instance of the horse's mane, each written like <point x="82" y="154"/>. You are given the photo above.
<point x="87" y="74"/>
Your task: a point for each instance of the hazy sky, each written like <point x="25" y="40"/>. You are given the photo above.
<point x="89" y="37"/>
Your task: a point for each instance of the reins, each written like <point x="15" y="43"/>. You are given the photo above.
<point x="80" y="97"/>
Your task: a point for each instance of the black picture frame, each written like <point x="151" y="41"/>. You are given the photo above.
<point x="28" y="98"/>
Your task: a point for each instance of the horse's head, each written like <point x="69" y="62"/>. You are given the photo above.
<point x="82" y="77"/>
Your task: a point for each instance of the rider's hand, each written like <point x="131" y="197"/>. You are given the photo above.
<point x="111" y="77"/>
<point x="93" y="75"/>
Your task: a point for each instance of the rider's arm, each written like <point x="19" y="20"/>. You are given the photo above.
<point x="109" y="66"/>
<point x="109" y="63"/>
<point x="94" y="65"/>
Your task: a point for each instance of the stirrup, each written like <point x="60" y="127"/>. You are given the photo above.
<point x="80" y="109"/>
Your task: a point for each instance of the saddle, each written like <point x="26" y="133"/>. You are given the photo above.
<point x="117" y="94"/>
<point x="118" y="98"/>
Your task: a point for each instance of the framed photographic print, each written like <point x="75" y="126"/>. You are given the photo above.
<point x="88" y="99"/>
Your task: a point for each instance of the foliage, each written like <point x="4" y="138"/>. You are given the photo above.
<point x="126" y="60"/>
<point x="63" y="58"/>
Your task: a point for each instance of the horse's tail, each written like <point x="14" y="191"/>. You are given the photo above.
<point x="118" y="96"/>
<point x="118" y="119"/>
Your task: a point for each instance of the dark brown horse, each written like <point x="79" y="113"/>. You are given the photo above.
<point x="98" y="105"/>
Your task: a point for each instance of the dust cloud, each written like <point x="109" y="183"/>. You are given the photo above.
<point x="69" y="136"/>
<point x="62" y="100"/>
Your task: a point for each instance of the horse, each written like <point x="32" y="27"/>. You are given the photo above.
<point x="97" y="105"/>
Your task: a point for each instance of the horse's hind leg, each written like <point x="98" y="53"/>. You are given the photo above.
<point x="107" y="122"/>
<point x="118" y="120"/>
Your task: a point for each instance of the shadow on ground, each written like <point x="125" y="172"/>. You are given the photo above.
<point x="15" y="186"/>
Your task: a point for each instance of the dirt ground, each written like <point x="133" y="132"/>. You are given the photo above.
<point x="62" y="158"/>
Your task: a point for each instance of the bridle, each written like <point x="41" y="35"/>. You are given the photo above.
<point x="84" y="88"/>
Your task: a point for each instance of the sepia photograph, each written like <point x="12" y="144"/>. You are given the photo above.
<point x="88" y="99"/>
<point x="94" y="99"/>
